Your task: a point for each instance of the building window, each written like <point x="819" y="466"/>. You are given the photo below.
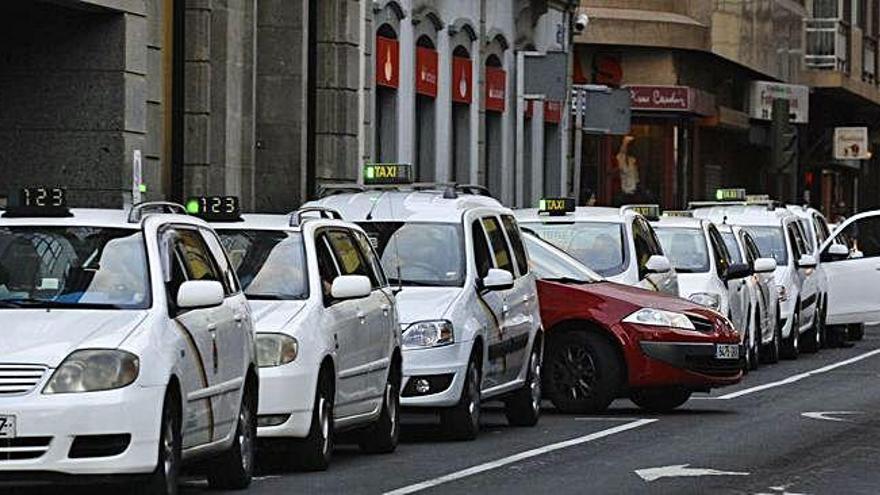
<point x="426" y="78"/>
<point x="496" y="104"/>
<point x="462" y="75"/>
<point x="387" y="82"/>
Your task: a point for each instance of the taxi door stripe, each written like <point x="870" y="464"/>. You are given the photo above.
<point x="203" y="374"/>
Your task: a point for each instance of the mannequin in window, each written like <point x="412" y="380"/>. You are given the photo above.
<point x="628" y="167"/>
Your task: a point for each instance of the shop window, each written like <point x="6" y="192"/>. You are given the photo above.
<point x="387" y="82"/>
<point x="426" y="77"/>
<point x="461" y="114"/>
<point x="495" y="103"/>
<point x="640" y="166"/>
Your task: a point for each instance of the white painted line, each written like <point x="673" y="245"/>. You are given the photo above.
<point x="605" y="418"/>
<point x="682" y="471"/>
<point x="829" y="415"/>
<point x="799" y="377"/>
<point x="481" y="468"/>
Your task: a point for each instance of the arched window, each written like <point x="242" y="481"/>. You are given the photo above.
<point x="462" y="96"/>
<point x="426" y="80"/>
<point x="495" y="98"/>
<point x="387" y="81"/>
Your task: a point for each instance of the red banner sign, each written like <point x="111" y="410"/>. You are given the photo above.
<point x="552" y="111"/>
<point x="462" y="76"/>
<point x="496" y="89"/>
<point x="426" y="71"/>
<point x="387" y="62"/>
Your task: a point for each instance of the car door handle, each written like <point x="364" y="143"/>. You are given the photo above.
<point x="239" y="317"/>
<point x="527" y="298"/>
<point x="362" y="317"/>
<point x="212" y="327"/>
<point x="385" y="309"/>
<point x="504" y="309"/>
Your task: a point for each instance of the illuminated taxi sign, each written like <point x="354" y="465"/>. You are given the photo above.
<point x="678" y="213"/>
<point x="215" y="208"/>
<point x="388" y="174"/>
<point x="556" y="206"/>
<point x="38" y="201"/>
<point x="651" y="212"/>
<point x="758" y="199"/>
<point x="730" y="195"/>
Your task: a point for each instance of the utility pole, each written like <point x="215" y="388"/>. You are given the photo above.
<point x="784" y="141"/>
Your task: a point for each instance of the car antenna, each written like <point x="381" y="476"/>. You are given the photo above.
<point x="375" y="204"/>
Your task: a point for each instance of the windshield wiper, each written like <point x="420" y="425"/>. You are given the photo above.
<point x="9" y="304"/>
<point x="568" y="280"/>
<point x="275" y="297"/>
<point x="413" y="283"/>
<point x="30" y="302"/>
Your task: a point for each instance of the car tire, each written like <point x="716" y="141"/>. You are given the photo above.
<point x="383" y="436"/>
<point x="791" y="345"/>
<point x="164" y="480"/>
<point x="772" y="350"/>
<point x="583" y="372"/>
<point x="314" y="452"/>
<point x="660" y="400"/>
<point x="855" y="331"/>
<point x="523" y="407"/>
<point x="813" y="337"/>
<point x="234" y="469"/>
<point x="462" y="421"/>
<point x="756" y="344"/>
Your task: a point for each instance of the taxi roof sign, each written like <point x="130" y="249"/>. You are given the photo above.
<point x="40" y="202"/>
<point x="215" y="208"/>
<point x="651" y="212"/>
<point x="679" y="213"/>
<point x="388" y="174"/>
<point x="735" y="194"/>
<point x="556" y="206"/>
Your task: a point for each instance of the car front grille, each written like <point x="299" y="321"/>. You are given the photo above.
<point x="23" y="448"/>
<point x="16" y="379"/>
<point x="701" y="324"/>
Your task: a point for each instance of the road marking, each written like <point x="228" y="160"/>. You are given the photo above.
<point x="682" y="471"/>
<point x="481" y="468"/>
<point x="829" y="415"/>
<point x="799" y="377"/>
<point x="605" y="418"/>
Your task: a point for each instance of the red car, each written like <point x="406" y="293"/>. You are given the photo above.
<point x="606" y="340"/>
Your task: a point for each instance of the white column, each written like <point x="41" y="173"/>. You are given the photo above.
<point x="508" y="128"/>
<point x="564" y="133"/>
<point x="520" y="130"/>
<point x="537" y="152"/>
<point x="406" y="96"/>
<point x="443" y="136"/>
<point x="476" y="102"/>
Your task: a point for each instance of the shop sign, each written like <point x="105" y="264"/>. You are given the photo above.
<point x="851" y="143"/>
<point x="387" y="62"/>
<point x="496" y="89"/>
<point x="552" y="111"/>
<point x="426" y="71"/>
<point x="672" y="99"/>
<point x="762" y="94"/>
<point x="462" y="74"/>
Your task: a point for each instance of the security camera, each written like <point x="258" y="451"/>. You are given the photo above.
<point x="581" y="22"/>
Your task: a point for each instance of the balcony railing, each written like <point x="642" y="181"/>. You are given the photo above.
<point x="828" y="45"/>
<point x="869" y="59"/>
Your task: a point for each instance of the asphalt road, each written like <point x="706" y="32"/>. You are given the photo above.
<point x="769" y="435"/>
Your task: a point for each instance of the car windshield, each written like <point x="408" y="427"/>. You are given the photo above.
<point x="599" y="245"/>
<point x="732" y="247"/>
<point x="551" y="263"/>
<point x="419" y="254"/>
<point x="271" y="264"/>
<point x="771" y="243"/>
<point x="686" y="248"/>
<point x="73" y="267"/>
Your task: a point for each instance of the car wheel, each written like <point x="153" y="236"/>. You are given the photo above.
<point x="772" y="350"/>
<point x="660" y="400"/>
<point x="855" y="331"/>
<point x="165" y="478"/>
<point x="313" y="453"/>
<point x="584" y="373"/>
<point x="523" y="408"/>
<point x="462" y="421"/>
<point x="756" y="343"/>
<point x="234" y="469"/>
<point x="791" y="345"/>
<point x="382" y="437"/>
<point x="813" y="337"/>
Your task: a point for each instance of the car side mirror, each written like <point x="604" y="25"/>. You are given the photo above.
<point x="738" y="270"/>
<point x="498" y="279"/>
<point x="658" y="264"/>
<point x="351" y="287"/>
<point x="765" y="265"/>
<point x="196" y="294"/>
<point x="807" y="261"/>
<point x="837" y="252"/>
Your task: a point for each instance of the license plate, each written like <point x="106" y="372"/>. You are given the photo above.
<point x="7" y="426"/>
<point x="727" y="351"/>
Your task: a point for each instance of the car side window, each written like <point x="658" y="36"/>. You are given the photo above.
<point x="327" y="268"/>
<point x="377" y="275"/>
<point x="797" y="242"/>
<point x="196" y="257"/>
<point x="174" y="273"/>
<point x="751" y="248"/>
<point x="348" y="255"/>
<point x="482" y="254"/>
<point x="516" y="242"/>
<point x="821" y="229"/>
<point x="646" y="244"/>
<point x="230" y="281"/>
<point x="722" y="255"/>
<point x="503" y="257"/>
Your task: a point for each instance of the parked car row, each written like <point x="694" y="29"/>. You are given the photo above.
<point x="148" y="339"/>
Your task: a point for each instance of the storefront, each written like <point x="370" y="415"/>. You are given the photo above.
<point x="654" y="162"/>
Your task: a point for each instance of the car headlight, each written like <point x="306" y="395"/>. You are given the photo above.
<point x="428" y="334"/>
<point x="94" y="370"/>
<point x="660" y="318"/>
<point x="707" y="299"/>
<point x="783" y="293"/>
<point x="275" y="349"/>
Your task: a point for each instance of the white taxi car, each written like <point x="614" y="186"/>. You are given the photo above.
<point x="128" y="347"/>
<point x="468" y="302"/>
<point x="778" y="234"/>
<point x="707" y="273"/>
<point x="618" y="244"/>
<point x="816" y="232"/>
<point x="328" y="339"/>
